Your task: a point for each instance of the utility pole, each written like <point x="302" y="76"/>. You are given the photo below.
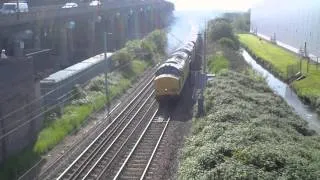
<point x="205" y="48"/>
<point x="202" y="76"/>
<point x="106" y="73"/>
<point x="18" y="10"/>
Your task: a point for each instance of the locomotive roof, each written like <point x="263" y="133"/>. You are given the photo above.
<point x="180" y="54"/>
<point x="175" y="62"/>
<point x="188" y="47"/>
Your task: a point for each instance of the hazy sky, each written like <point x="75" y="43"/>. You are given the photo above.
<point x="242" y="5"/>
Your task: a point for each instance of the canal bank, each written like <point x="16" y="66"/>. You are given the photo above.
<point x="284" y="91"/>
<point x="279" y="61"/>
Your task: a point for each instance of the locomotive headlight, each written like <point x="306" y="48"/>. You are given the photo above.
<point x="166" y="90"/>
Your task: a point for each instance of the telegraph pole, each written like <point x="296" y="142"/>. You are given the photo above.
<point x="205" y="48"/>
<point x="106" y="73"/>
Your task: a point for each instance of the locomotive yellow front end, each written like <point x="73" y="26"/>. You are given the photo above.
<point x="167" y="86"/>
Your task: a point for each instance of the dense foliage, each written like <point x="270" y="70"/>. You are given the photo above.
<point x="239" y="21"/>
<point x="221" y="28"/>
<point x="217" y="62"/>
<point x="222" y="47"/>
<point x="248" y="133"/>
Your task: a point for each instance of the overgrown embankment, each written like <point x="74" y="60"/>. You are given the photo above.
<point x="277" y="59"/>
<point x="223" y="47"/>
<point x="248" y="133"/>
<point x="129" y="62"/>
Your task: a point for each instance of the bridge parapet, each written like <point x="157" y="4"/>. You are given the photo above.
<point x="51" y="12"/>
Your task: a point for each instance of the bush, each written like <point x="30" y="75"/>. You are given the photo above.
<point x="217" y="63"/>
<point x="240" y="21"/>
<point x="221" y="28"/>
<point x="248" y="133"/>
<point x="228" y="43"/>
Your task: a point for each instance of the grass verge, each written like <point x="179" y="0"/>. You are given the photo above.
<point x="277" y="59"/>
<point x="217" y="62"/>
<point x="244" y="137"/>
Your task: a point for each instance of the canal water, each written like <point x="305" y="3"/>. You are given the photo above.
<point x="283" y="90"/>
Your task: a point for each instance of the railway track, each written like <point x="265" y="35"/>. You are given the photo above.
<point x="130" y="158"/>
<point x="137" y="164"/>
<point x="69" y="156"/>
<point x="120" y="127"/>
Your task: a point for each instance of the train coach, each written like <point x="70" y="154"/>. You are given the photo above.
<point x="171" y="76"/>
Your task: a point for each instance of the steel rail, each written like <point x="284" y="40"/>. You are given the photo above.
<point x="91" y="159"/>
<point x="135" y="148"/>
<point x="79" y="141"/>
<point x="121" y="147"/>
<point x="154" y="150"/>
<point x="107" y="128"/>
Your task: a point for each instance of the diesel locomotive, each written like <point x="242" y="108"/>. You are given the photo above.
<point x="171" y="76"/>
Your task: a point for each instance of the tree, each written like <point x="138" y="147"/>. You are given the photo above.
<point x="220" y="28"/>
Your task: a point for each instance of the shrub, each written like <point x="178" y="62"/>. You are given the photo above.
<point x="248" y="133"/>
<point x="228" y="43"/>
<point x="217" y="62"/>
<point x="220" y="28"/>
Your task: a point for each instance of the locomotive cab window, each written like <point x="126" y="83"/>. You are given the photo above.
<point x="168" y="70"/>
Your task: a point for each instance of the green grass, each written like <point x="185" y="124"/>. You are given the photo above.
<point x="72" y="118"/>
<point x="248" y="133"/>
<point x="217" y="62"/>
<point x="279" y="59"/>
<point x="74" y="115"/>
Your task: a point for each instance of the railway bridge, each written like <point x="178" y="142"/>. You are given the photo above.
<point x="67" y="35"/>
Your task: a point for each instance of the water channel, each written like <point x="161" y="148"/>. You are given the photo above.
<point x="283" y="90"/>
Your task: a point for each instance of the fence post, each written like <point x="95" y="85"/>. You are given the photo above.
<point x="317" y="62"/>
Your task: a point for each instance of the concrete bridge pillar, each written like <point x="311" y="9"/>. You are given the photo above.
<point x="70" y="44"/>
<point x="18" y="50"/>
<point x="91" y="37"/>
<point x="111" y="28"/>
<point x="118" y="30"/>
<point x="142" y="22"/>
<point x="63" y="47"/>
<point x="124" y="29"/>
<point x="37" y="37"/>
<point x="136" y="25"/>
<point x="151" y="19"/>
<point x="130" y="28"/>
<point x="157" y="19"/>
